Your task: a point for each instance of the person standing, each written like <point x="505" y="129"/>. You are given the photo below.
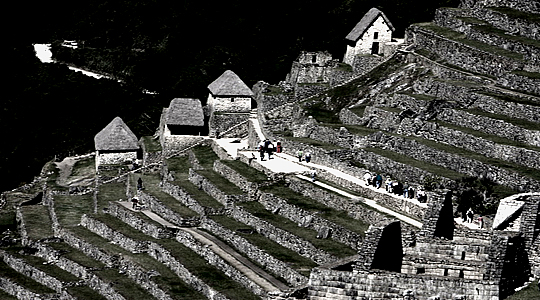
<point x="367" y="177"/>
<point x="308" y="157"/>
<point x="270" y="149"/>
<point x="378" y="180"/>
<point x="470" y="215"/>
<point x="406" y="190"/>
<point x="481" y="222"/>
<point x="278" y="147"/>
<point x="388" y="184"/>
<point x="300" y="154"/>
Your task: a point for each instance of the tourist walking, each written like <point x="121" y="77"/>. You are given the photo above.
<point x="279" y="149"/>
<point x="367" y="178"/>
<point x="470" y="215"/>
<point x="378" y="180"/>
<point x="480" y="222"/>
<point x="406" y="190"/>
<point x="388" y="184"/>
<point x="308" y="157"/>
<point x="300" y="154"/>
<point x="270" y="149"/>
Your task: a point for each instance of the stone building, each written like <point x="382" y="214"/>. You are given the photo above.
<point x="369" y="36"/>
<point x="115" y="144"/>
<point x="181" y="124"/>
<point x="229" y="103"/>
<point x="310" y="67"/>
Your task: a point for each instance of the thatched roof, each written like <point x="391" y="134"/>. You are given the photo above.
<point x="229" y="84"/>
<point x="186" y="112"/>
<point x="365" y="22"/>
<point x="116" y="136"/>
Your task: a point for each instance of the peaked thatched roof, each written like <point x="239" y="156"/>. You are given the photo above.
<point x="229" y="84"/>
<point x="185" y="111"/>
<point x="116" y="136"/>
<point x="365" y="22"/>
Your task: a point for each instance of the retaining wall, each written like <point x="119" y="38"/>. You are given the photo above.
<point x="168" y="214"/>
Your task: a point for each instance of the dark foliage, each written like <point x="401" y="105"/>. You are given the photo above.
<point x="174" y="47"/>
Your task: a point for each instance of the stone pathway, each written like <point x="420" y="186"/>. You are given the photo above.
<point x="242" y="264"/>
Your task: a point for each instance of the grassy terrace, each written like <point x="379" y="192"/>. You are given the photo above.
<point x="313" y="142"/>
<point x="249" y="173"/>
<point x="24" y="281"/>
<point x="514" y="121"/>
<point x="167" y="280"/>
<point x="325" y="212"/>
<point x="506" y="98"/>
<point x="8" y="220"/>
<point x="112" y="191"/>
<point x="151" y="187"/>
<point x="191" y="260"/>
<point x="41" y="264"/>
<point x="531" y="292"/>
<point x="38" y="222"/>
<point x="335" y="248"/>
<point x="293" y="259"/>
<point x="461" y="38"/>
<point x="6" y="296"/>
<point x="69" y="209"/>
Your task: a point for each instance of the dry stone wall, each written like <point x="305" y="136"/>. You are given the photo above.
<point x="462" y="55"/>
<point x="209" y="188"/>
<point x="228" y="124"/>
<point x="20" y="292"/>
<point x="168" y="214"/>
<point x="310" y="220"/>
<point x="523" y="5"/>
<point x="131" y="219"/>
<point x="240" y="181"/>
<point x="101" y="229"/>
<point x="274" y="265"/>
<point x="214" y="259"/>
<point x="282" y="237"/>
<point x="490" y="126"/>
<point x="186" y="199"/>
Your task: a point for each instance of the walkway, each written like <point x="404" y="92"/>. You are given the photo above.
<point x="237" y="261"/>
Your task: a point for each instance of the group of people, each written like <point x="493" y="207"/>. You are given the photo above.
<point x="268" y="147"/>
<point x="469" y="216"/>
<point x="395" y="187"/>
<point x="301" y="156"/>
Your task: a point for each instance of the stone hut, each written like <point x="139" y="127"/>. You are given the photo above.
<point x="229" y="103"/>
<point x="181" y="124"/>
<point x="369" y="36"/>
<point x="115" y="144"/>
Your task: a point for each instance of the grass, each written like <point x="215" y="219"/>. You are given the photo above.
<point x="532" y="75"/>
<point x="84" y="292"/>
<point x="325" y="212"/>
<point x="506" y="98"/>
<point x="76" y="255"/>
<point x="461" y="38"/>
<point x="69" y="209"/>
<point x="332" y="247"/>
<point x="151" y="187"/>
<point x="123" y="284"/>
<point x="112" y="191"/>
<point x="206" y="272"/>
<point x="514" y="121"/>
<point x="167" y="279"/>
<point x="41" y="264"/>
<point x="20" y="279"/>
<point x="203" y="198"/>
<point x="151" y="145"/>
<point x="220" y="182"/>
<point x="247" y="172"/>
<point x="293" y="259"/>
<point x="38" y="222"/>
<point x="84" y="167"/>
<point x="206" y="156"/>
<point x="518" y="14"/>
<point x="8" y="220"/>
<point x="354" y="129"/>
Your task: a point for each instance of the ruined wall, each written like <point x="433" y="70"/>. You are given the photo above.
<point x="523" y="5"/>
<point x="175" y="143"/>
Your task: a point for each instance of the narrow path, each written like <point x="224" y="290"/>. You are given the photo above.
<point x="236" y="260"/>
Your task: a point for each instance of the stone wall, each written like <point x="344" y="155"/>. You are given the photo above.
<point x="507" y="108"/>
<point x="347" y="117"/>
<point x="236" y="178"/>
<point x="214" y="259"/>
<point x="115" y="158"/>
<point x="363" y="64"/>
<point x="101" y="229"/>
<point x="186" y="199"/>
<point x="275" y="266"/>
<point x="521" y="83"/>
<point x="175" y="143"/>
<point x="523" y="5"/>
<point x="462" y="55"/>
<point x="450" y="18"/>
<point x="333" y="284"/>
<point x="47" y="280"/>
<point x="20" y="292"/>
<point x="269" y="97"/>
<point x="164" y="211"/>
<point x="133" y="220"/>
<point x="280" y="236"/>
<point x="228" y="124"/>
<point x="310" y="220"/>
<point x="209" y="188"/>
<point x="229" y="104"/>
<point x="490" y="126"/>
